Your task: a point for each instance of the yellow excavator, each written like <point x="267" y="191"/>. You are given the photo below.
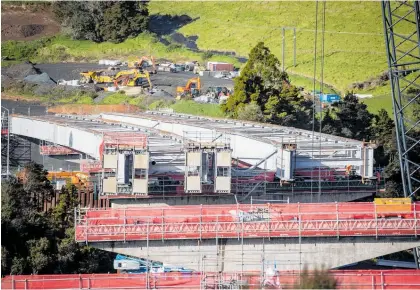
<point x="144" y="63"/>
<point x="192" y="89"/>
<point x="132" y="77"/>
<point x="96" y="77"/>
<point x="136" y="79"/>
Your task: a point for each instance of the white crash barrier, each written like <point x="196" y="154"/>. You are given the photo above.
<point x="109" y="62"/>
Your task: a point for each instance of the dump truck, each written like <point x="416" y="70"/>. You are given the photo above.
<point x="145" y="64"/>
<point x="192" y="89"/>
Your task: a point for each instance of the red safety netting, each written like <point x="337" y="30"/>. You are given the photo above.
<point x="347" y="279"/>
<point x="56" y="150"/>
<point x="233" y="221"/>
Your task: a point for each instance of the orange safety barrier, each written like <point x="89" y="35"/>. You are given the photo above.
<point x="245" y="220"/>
<point x="347" y="279"/>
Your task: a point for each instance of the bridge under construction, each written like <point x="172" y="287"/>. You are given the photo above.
<point x="157" y="154"/>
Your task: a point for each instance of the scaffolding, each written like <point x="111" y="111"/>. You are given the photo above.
<point x="248" y="221"/>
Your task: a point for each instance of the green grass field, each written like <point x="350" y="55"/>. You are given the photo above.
<point x="354" y="43"/>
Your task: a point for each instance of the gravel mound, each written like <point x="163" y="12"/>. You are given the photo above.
<point x="20" y="71"/>
<point x="161" y="94"/>
<point x="31" y="29"/>
<point x="43" y="78"/>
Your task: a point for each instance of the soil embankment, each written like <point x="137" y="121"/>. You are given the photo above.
<point x="21" y="23"/>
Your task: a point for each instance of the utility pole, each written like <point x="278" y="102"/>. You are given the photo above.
<point x="283" y="45"/>
<point x="294" y="46"/>
<point x="5" y="125"/>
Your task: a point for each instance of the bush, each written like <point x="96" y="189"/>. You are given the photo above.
<point x="317" y="279"/>
<point x="207" y="55"/>
<point x="160" y="104"/>
<point x="251" y="112"/>
<point x="22" y="50"/>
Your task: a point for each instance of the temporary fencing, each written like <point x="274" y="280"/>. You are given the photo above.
<point x="272" y="279"/>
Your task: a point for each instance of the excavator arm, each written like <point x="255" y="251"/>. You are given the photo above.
<point x="140" y="61"/>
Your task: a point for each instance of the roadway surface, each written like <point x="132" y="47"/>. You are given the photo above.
<point x="350" y="279"/>
<point x="248" y="221"/>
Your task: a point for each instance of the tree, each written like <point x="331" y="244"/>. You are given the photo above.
<point x="352" y="118"/>
<point x="251" y="112"/>
<point x="39" y="255"/>
<point x="382" y="132"/>
<point x="36" y="183"/>
<point x="63" y="213"/>
<point x="100" y="21"/>
<point x="329" y="124"/>
<point x="124" y="19"/>
<point x="317" y="279"/>
<point x="263" y="83"/>
<point x="37" y="242"/>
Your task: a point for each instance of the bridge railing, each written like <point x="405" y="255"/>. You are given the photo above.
<point x="349" y="279"/>
<point x="247" y="221"/>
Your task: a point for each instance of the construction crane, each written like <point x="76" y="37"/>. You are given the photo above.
<point x="193" y="89"/>
<point x="143" y="63"/>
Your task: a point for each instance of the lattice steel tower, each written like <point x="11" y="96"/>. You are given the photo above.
<point x="403" y="51"/>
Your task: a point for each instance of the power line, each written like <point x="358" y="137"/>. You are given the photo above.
<point x="314" y="88"/>
<point x="322" y="93"/>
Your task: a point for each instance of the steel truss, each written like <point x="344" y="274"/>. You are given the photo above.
<point x="403" y="52"/>
<point x="320" y="228"/>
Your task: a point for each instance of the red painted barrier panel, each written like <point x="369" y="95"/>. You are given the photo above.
<point x="347" y="279"/>
<point x="56" y="150"/>
<point x="231" y="221"/>
<point x="91" y="166"/>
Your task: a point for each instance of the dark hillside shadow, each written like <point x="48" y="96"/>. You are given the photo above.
<point x="167" y="24"/>
<point x="166" y="28"/>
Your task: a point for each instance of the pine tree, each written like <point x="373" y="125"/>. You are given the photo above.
<point x="263" y="83"/>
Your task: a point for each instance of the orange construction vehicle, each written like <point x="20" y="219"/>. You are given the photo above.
<point x="144" y="63"/>
<point x="192" y="89"/>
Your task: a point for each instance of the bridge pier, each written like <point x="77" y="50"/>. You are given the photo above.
<point x="256" y="254"/>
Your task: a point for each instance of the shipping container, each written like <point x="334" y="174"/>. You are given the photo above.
<point x="329" y="98"/>
<point x="219" y="66"/>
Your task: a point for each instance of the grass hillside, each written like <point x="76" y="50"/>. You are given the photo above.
<point x="354" y="43"/>
<point x="354" y="40"/>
